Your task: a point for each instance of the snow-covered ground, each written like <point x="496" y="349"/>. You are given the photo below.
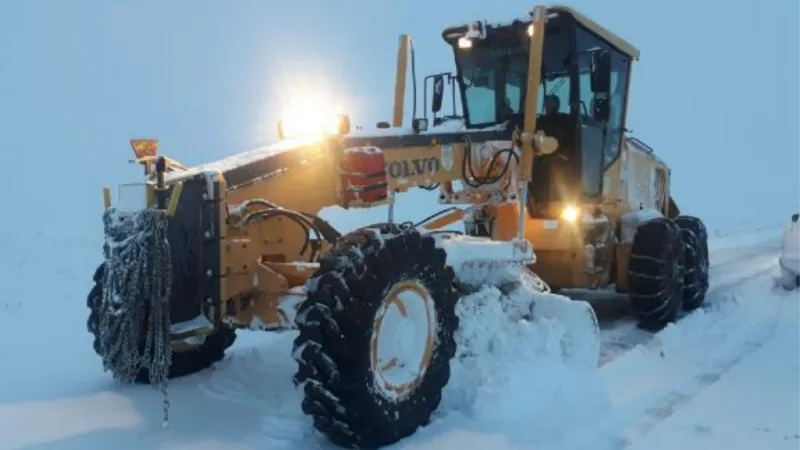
<point x="726" y="376"/>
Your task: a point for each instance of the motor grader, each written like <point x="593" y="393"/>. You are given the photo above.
<point x="536" y="165"/>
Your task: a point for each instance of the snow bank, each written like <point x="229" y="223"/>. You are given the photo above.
<point x="527" y="359"/>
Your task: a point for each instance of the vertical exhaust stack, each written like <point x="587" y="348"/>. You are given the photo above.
<point x="400" y="81"/>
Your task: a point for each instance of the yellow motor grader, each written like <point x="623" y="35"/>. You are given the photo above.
<point x="536" y="165"/>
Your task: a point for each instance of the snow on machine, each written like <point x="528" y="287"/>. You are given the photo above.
<point x="536" y="165"/>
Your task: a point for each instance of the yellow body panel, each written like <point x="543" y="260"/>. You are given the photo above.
<point x="631" y="182"/>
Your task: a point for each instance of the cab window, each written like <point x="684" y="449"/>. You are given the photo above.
<point x="588" y="44"/>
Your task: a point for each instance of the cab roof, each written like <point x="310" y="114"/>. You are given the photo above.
<point x="452" y="33"/>
<point x="623" y="45"/>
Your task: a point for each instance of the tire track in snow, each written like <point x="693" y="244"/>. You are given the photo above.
<point x="624" y="335"/>
<point x="669" y="404"/>
<point x="624" y="427"/>
<point x="663" y="408"/>
<point x="734" y="333"/>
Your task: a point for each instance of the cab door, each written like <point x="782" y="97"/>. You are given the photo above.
<point x="593" y="118"/>
<point x="602" y="85"/>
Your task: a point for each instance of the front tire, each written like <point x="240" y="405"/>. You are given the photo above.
<point x="344" y="366"/>
<point x="695" y="238"/>
<point x="183" y="363"/>
<point x="656" y="274"/>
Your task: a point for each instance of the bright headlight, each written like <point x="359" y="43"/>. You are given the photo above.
<point x="570" y="214"/>
<point x="313" y="124"/>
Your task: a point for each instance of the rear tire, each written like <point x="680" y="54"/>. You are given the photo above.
<point x="183" y="363"/>
<point x="695" y="238"/>
<point x="655" y="273"/>
<point x="345" y="394"/>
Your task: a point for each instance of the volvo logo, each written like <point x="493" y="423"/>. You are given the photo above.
<point x="413" y="167"/>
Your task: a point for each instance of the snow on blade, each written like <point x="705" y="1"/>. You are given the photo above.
<point x="463" y="249"/>
<point x="535" y="374"/>
<point x="523" y="352"/>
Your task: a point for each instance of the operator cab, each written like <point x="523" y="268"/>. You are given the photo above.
<point x="582" y="95"/>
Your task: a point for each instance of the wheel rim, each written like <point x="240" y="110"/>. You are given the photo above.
<point x="402" y="339"/>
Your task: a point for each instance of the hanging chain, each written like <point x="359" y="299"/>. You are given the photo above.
<point x="134" y="313"/>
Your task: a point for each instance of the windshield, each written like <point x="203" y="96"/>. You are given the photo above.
<point x="493" y="83"/>
<point x="494" y="78"/>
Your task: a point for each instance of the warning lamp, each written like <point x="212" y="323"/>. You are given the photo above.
<point x="313" y="125"/>
<point x="570" y="214"/>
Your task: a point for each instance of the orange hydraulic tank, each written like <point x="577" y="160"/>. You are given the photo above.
<point x="366" y="170"/>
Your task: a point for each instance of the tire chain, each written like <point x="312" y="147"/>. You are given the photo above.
<point x="137" y="283"/>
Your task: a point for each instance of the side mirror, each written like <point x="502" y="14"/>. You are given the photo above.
<point x="601" y="72"/>
<point x="438" y="93"/>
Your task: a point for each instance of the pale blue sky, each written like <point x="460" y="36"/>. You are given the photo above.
<point x="716" y="91"/>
